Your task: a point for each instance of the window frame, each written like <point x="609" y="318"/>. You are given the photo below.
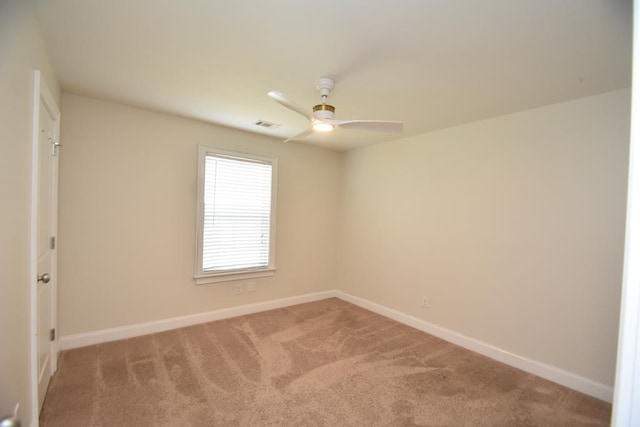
<point x="202" y="277"/>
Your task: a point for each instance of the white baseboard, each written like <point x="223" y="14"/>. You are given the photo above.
<point x="130" y="331"/>
<point x="549" y="372"/>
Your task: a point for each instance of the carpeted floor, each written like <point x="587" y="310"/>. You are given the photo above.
<point x="326" y="363"/>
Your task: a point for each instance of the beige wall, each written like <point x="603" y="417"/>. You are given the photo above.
<point x="21" y="51"/>
<point x="513" y="227"/>
<point x="127" y="217"/>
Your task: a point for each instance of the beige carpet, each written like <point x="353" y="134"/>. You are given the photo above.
<point x="327" y="363"/>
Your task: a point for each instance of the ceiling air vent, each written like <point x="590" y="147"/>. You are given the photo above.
<point x="266" y="124"/>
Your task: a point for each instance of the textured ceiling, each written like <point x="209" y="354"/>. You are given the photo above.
<point x="429" y="63"/>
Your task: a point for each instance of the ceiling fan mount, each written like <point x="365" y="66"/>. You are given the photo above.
<point x="322" y="115"/>
<point x="325" y="85"/>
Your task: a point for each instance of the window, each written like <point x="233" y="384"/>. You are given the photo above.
<point x="236" y="215"/>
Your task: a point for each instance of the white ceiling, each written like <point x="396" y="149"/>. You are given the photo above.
<point x="429" y="63"/>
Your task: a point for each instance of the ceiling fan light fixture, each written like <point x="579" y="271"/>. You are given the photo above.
<point x="322" y="127"/>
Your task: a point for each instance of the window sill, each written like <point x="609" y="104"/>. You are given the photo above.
<point x="228" y="277"/>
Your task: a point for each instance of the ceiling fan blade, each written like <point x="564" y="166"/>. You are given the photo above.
<point x="300" y="135"/>
<point x="279" y="97"/>
<point x="370" y="125"/>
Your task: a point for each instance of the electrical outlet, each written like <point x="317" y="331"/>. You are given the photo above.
<point x="425" y="302"/>
<point x="251" y="286"/>
<point x="239" y="288"/>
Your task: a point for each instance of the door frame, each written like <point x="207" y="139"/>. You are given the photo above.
<point x="626" y="398"/>
<point x="42" y="94"/>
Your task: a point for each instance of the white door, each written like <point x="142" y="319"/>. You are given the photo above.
<point x="44" y="210"/>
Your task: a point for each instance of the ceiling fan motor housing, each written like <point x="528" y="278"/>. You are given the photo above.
<point x="324" y="111"/>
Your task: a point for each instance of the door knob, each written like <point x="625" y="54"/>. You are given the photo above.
<point x="9" y="421"/>
<point x="44" y="278"/>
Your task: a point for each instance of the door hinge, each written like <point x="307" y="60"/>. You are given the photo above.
<point x="52" y="334"/>
<point x="52" y="242"/>
<point x="54" y="148"/>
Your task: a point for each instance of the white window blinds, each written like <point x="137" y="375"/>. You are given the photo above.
<point x="237" y="214"/>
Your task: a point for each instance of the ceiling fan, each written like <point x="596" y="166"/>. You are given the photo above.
<point x="322" y="116"/>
